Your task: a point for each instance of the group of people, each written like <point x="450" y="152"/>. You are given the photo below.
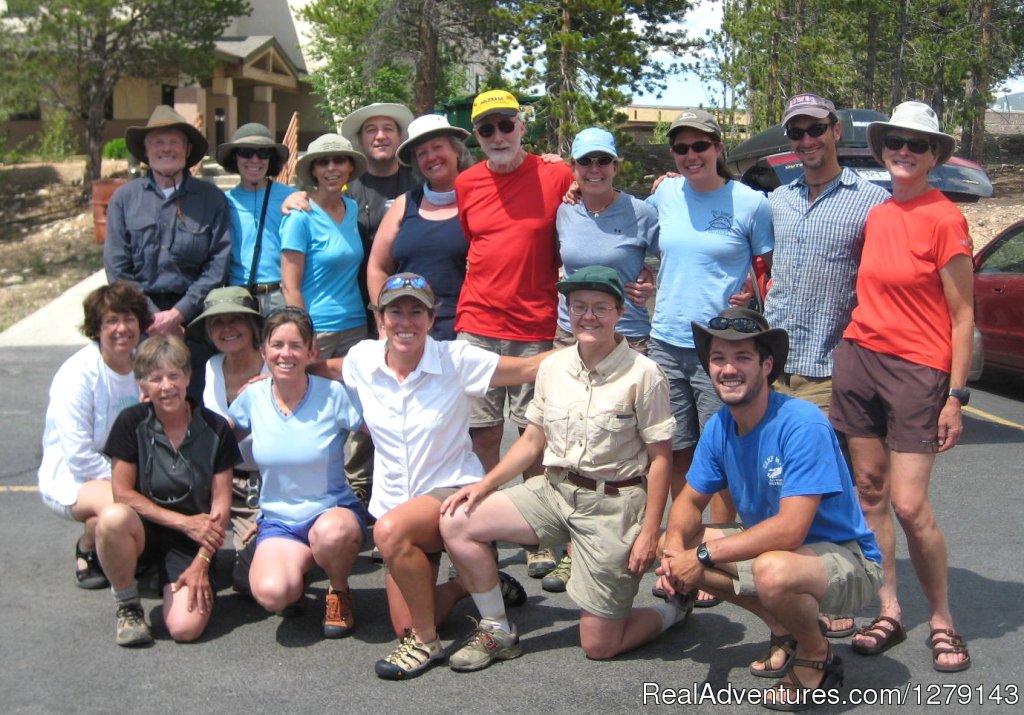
<point x="407" y="301"/>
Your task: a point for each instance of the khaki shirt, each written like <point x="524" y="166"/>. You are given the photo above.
<point x="599" y="422"/>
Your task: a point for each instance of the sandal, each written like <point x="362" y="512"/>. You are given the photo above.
<point x="794" y="696"/>
<point x="830" y="632"/>
<point x="708" y="601"/>
<point x="946" y="640"/>
<point x="884" y="636"/>
<point x="787" y="644"/>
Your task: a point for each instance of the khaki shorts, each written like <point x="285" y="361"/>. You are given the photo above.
<point x="816" y="390"/>
<point x="337" y="343"/>
<point x="489" y="410"/>
<point x="853" y="580"/>
<point x="602" y="529"/>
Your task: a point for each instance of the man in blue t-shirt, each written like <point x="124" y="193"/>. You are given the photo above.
<point x="804" y="546"/>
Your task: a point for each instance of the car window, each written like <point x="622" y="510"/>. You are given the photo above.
<point x="1008" y="257"/>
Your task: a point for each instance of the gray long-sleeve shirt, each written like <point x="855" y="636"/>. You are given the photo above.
<point x="174" y="248"/>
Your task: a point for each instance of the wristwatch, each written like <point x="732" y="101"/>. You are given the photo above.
<point x="704" y="557"/>
<point x="963" y="395"/>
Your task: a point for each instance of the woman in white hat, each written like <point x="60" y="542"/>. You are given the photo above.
<point x="421" y="233"/>
<point x="321" y="251"/>
<point x="256" y="215"/>
<point x="901" y="370"/>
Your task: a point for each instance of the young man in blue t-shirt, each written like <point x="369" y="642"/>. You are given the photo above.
<point x="804" y="547"/>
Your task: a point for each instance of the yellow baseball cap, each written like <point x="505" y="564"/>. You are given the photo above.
<point x="494" y="101"/>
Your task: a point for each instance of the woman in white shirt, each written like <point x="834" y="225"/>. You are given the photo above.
<point x="89" y="390"/>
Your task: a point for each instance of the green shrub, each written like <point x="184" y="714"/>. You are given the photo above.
<point x="115" y="149"/>
<point x="58" y="140"/>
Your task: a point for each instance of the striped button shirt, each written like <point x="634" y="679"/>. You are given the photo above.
<point x="814" y="268"/>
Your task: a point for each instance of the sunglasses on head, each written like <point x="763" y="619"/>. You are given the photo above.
<point x="917" y="146"/>
<point x="248" y="152"/>
<point x="294" y="312"/>
<point x="700" y="147"/>
<point x="396" y="282"/>
<point x="815" y="130"/>
<point x="603" y="160"/>
<point x="505" y="126"/>
<point x="740" y="325"/>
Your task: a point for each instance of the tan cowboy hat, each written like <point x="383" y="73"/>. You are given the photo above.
<point x="742" y="324"/>
<point x="328" y="145"/>
<point x="163" y="117"/>
<point x="253" y="136"/>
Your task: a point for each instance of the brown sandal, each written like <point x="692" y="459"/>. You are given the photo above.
<point x="946" y="640"/>
<point x="787" y="644"/>
<point x="794" y="696"/>
<point x="892" y="633"/>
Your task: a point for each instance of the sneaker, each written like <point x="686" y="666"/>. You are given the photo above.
<point x="88" y="572"/>
<point x="131" y="625"/>
<point x="556" y="581"/>
<point x="486" y="644"/>
<point x="512" y="592"/>
<point x="338" y="619"/>
<point x="684" y="603"/>
<point x="410" y="658"/>
<point x="539" y="562"/>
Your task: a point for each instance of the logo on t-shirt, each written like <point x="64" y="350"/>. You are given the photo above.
<point x="772" y="467"/>
<point x="720" y="221"/>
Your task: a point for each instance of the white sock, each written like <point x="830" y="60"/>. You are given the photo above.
<point x="492" y="608"/>
<point x="670" y="614"/>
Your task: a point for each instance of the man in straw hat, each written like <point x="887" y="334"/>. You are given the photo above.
<point x="167" y="231"/>
<point x="804" y="546"/>
<point x="256" y="216"/>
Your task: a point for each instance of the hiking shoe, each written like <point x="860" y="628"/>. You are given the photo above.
<point x="131" y="625"/>
<point x="410" y="658"/>
<point x="512" y="592"/>
<point x="556" y="581"/>
<point x="88" y="572"/>
<point x="338" y="619"/>
<point x="486" y="644"/>
<point x="539" y="562"/>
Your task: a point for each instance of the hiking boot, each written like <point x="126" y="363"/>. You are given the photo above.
<point x="539" y="562"/>
<point x="556" y="581"/>
<point x="88" y="572"/>
<point x="486" y="644"/>
<point x="512" y="592"/>
<point x="131" y="625"/>
<point x="410" y="658"/>
<point x="338" y="619"/>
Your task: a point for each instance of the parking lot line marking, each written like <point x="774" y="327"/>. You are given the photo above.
<point x="19" y="489"/>
<point x="992" y="418"/>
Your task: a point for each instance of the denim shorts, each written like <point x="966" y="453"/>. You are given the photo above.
<point x="275" y="529"/>
<point x="692" y="396"/>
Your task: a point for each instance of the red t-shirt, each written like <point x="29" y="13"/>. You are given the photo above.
<point x="512" y="264"/>
<point x="901" y="308"/>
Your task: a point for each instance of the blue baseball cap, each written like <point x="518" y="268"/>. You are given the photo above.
<point x="594" y="140"/>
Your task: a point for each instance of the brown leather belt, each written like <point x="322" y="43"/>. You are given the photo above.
<point x="611" y="488"/>
<point x="264" y="288"/>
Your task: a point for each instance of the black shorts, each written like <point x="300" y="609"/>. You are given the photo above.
<point x="169" y="550"/>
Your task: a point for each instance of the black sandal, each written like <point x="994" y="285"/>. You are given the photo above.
<point x="795" y="696"/>
<point x="91" y="577"/>
<point x="787" y="644"/>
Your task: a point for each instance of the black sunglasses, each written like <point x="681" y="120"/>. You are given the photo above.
<point x="917" y="146"/>
<point x="700" y="147"/>
<point x="248" y="152"/>
<point x="815" y="130"/>
<point x="604" y="160"/>
<point x="740" y="325"/>
<point x="505" y="126"/>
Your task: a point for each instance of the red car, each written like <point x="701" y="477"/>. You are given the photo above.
<point x="999" y="300"/>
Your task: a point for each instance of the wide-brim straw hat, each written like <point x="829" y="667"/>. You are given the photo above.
<point x="221" y="301"/>
<point x="328" y="145"/>
<point x="776" y="340"/>
<point x="252" y="135"/>
<point x="918" y="117"/>
<point x="427" y="127"/>
<point x="164" y="117"/>
<point x="353" y="123"/>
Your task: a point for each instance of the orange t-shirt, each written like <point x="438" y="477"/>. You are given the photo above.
<point x="901" y="307"/>
<point x="512" y="264"/>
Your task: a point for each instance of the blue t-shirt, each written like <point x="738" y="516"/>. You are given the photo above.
<point x="619" y="237"/>
<point x="334" y="253"/>
<point x="791" y="452"/>
<point x="300" y="456"/>
<point x="708" y="240"/>
<point x="245" y="219"/>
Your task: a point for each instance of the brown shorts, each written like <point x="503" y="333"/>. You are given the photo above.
<point x="883" y="396"/>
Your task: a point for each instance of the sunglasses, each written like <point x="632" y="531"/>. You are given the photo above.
<point x="815" y="130"/>
<point x="248" y="152"/>
<point x="396" y="282"/>
<point x="604" y="160"/>
<point x="328" y="160"/>
<point x="740" y="325"/>
<point x="917" y="146"/>
<point x="700" y="147"/>
<point x="505" y="126"/>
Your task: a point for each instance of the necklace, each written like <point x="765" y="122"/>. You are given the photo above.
<point x="821" y="183"/>
<point x="598" y="212"/>
<point x="439" y="198"/>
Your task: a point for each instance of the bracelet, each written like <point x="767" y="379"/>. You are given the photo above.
<point x="203" y="556"/>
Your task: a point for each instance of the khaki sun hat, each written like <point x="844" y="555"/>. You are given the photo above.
<point x="221" y="301"/>
<point x="252" y="136"/>
<point x="328" y="145"/>
<point x="353" y="123"/>
<point x="164" y="117"/>
<point x="427" y="127"/>
<point x="918" y="117"/>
